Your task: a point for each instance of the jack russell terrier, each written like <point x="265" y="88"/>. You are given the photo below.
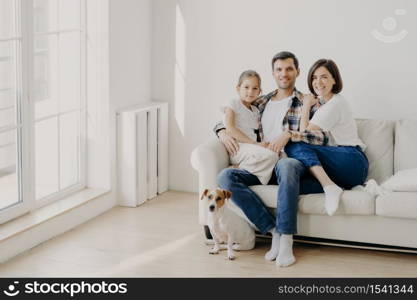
<point x="226" y="226"/>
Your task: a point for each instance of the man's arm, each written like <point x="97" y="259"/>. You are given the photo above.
<point x="307" y="111"/>
<point x="229" y="143"/>
<point x="280" y="142"/>
<point x="313" y="137"/>
<point x="218" y="127"/>
<point x="308" y="132"/>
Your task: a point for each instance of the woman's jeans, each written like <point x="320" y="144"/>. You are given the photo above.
<point x="347" y="166"/>
<point x="293" y="178"/>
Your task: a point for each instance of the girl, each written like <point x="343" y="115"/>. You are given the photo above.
<point x="242" y="121"/>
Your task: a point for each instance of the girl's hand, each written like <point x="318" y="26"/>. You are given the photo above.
<point x="310" y="100"/>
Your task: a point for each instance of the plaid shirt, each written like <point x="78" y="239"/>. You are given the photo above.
<point x="291" y="120"/>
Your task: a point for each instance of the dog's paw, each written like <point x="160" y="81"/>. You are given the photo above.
<point x="231" y="257"/>
<point x="214" y="251"/>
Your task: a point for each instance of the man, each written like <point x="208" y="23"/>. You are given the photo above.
<point x="280" y="122"/>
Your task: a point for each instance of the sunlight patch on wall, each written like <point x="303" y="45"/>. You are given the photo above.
<point x="180" y="75"/>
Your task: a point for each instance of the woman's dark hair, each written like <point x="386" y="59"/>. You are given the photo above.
<point x="284" y="55"/>
<point x="331" y="66"/>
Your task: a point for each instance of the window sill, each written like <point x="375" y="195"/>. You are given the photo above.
<point x="48" y="212"/>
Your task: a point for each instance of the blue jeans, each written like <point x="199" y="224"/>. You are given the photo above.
<point x="347" y="166"/>
<point x="289" y="174"/>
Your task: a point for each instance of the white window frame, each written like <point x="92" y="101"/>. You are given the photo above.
<point x="82" y="163"/>
<point x="26" y="152"/>
<point x="25" y="202"/>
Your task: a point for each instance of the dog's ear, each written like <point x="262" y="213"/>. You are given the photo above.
<point x="204" y="194"/>
<point x="227" y="194"/>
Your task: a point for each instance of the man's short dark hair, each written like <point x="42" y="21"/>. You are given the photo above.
<point x="331" y="66"/>
<point x="284" y="55"/>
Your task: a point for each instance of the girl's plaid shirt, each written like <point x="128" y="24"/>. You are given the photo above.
<point x="291" y="120"/>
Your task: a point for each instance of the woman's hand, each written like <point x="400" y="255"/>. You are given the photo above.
<point x="230" y="143"/>
<point x="310" y="100"/>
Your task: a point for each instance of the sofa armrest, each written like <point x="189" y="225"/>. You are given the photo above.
<point x="208" y="159"/>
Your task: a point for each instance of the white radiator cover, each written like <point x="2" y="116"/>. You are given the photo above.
<point x="142" y="152"/>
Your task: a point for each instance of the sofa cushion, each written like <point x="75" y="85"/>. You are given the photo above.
<point x="352" y="202"/>
<point x="397" y="204"/>
<point x="405" y="148"/>
<point x="268" y="194"/>
<point x="402" y="181"/>
<point x="378" y="136"/>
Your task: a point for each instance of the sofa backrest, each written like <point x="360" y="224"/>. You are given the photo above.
<point x="405" y="149"/>
<point x="378" y="136"/>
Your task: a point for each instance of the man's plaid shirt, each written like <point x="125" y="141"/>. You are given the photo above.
<point x="291" y="120"/>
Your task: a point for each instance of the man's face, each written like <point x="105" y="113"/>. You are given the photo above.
<point x="285" y="73"/>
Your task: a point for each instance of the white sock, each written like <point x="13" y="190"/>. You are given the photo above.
<point x="359" y="188"/>
<point x="285" y="256"/>
<point x="373" y="188"/>
<point x="273" y="252"/>
<point x="332" y="198"/>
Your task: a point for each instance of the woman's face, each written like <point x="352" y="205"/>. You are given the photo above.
<point x="323" y="82"/>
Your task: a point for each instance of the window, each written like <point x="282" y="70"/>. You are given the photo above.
<point x="42" y="102"/>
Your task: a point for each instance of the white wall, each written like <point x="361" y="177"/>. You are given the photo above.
<point x="225" y="37"/>
<point x="130" y="61"/>
<point x="130" y="52"/>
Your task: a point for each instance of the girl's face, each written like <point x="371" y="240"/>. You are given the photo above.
<point x="249" y="89"/>
<point x="323" y="82"/>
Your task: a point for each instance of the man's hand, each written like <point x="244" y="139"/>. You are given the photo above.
<point x="230" y="143"/>
<point x="279" y="143"/>
<point x="263" y="144"/>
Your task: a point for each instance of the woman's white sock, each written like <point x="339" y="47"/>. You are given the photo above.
<point x="285" y="256"/>
<point x="273" y="252"/>
<point x="332" y="197"/>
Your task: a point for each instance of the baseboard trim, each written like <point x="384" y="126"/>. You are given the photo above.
<point x="346" y="244"/>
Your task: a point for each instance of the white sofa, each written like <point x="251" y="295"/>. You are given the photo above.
<point x="389" y="220"/>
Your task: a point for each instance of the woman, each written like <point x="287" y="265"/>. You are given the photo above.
<point x="341" y="164"/>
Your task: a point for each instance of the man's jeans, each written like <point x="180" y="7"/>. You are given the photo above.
<point x="289" y="175"/>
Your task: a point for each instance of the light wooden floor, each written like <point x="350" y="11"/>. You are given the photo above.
<point x="162" y="238"/>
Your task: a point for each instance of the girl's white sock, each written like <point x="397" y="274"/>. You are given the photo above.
<point x="285" y="256"/>
<point x="273" y="253"/>
<point x="332" y="198"/>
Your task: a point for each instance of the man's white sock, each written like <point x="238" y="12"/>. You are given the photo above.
<point x="332" y="198"/>
<point x="273" y="253"/>
<point x="285" y="256"/>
